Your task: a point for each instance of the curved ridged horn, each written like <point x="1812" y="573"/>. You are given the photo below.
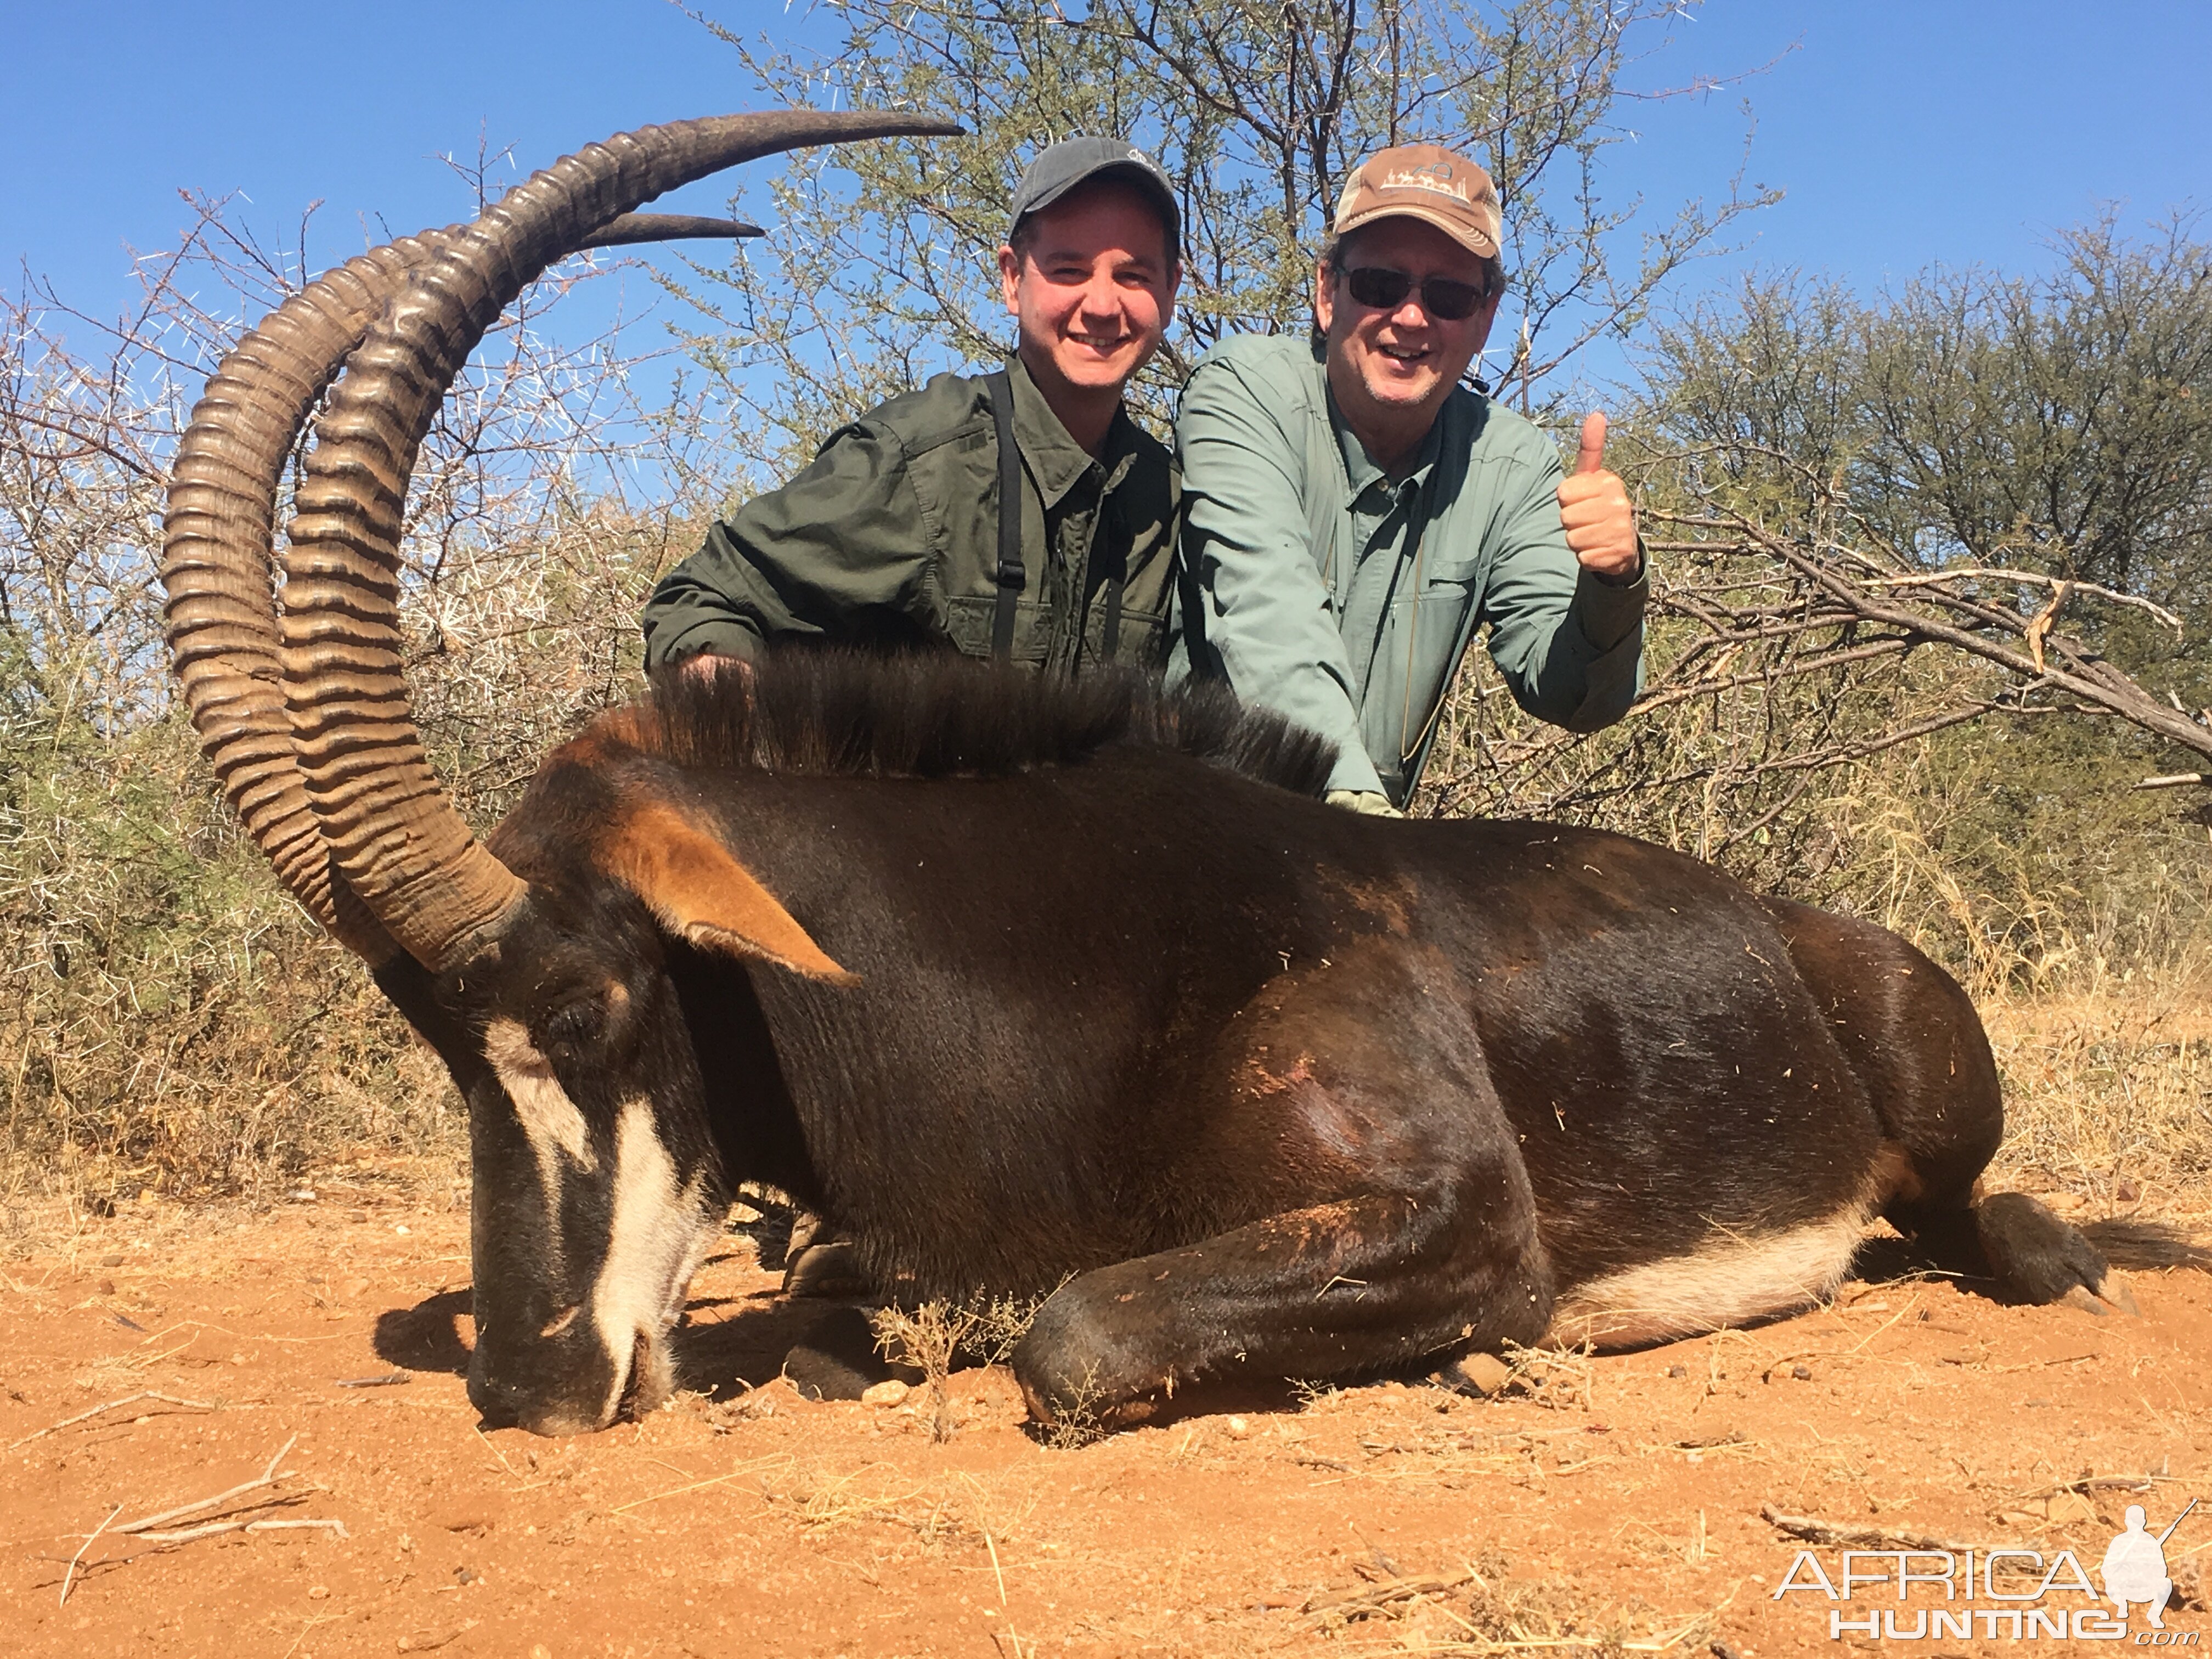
<point x="216" y="566"/>
<point x="629" y="228"/>
<point x="216" y="559"/>
<point x="388" y="824"/>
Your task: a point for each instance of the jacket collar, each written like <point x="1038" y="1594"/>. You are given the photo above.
<point x="1055" y="460"/>
<point x="1360" y="472"/>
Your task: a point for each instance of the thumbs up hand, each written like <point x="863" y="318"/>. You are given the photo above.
<point x="1596" y="512"/>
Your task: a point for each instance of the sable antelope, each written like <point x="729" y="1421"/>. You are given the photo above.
<point x="1019" y="983"/>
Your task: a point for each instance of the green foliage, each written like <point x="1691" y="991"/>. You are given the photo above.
<point x="2059" y="427"/>
<point x="2061" y="423"/>
<point x="882" y="266"/>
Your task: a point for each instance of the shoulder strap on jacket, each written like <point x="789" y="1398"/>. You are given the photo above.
<point x="1190" y="611"/>
<point x="1010" y="576"/>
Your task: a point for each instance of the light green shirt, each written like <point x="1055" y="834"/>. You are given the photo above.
<point x="1345" y="600"/>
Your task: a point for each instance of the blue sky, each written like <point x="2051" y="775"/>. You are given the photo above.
<point x="1903" y="134"/>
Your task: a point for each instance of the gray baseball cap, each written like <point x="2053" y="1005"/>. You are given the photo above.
<point x="1062" y="166"/>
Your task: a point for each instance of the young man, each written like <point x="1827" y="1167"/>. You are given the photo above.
<point x="1352" y="513"/>
<point x="893" y="536"/>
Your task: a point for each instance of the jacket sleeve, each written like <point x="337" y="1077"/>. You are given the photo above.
<point x="843" y="552"/>
<point x="1569" y="645"/>
<point x="1270" y="628"/>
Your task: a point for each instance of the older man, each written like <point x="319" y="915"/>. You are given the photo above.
<point x="895" y="536"/>
<point x="1352" y="514"/>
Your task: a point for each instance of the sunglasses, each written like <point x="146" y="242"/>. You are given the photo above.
<point x="1383" y="289"/>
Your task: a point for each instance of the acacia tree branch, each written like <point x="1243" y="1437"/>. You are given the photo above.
<point x="2091" y="679"/>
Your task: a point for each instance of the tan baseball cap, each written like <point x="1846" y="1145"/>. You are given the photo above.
<point x="1429" y="183"/>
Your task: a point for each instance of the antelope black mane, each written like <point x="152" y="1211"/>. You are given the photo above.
<point x="937" y="715"/>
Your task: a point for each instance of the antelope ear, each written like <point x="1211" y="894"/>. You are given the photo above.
<point x="700" y="893"/>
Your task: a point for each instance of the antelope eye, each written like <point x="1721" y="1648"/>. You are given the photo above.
<point x="581" y="1023"/>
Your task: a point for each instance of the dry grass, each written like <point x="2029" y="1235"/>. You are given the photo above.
<point x="2109" y="1094"/>
<point x="1482" y="1610"/>
<point x="933" y="1336"/>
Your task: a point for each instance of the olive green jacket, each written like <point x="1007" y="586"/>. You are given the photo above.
<point x="890" y="538"/>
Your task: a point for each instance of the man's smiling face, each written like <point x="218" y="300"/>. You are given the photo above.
<point x="1396" y="365"/>
<point x="1093" y="286"/>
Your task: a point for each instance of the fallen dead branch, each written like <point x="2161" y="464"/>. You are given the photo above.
<point x="1862" y="1538"/>
<point x="2088" y="1484"/>
<point x="112" y="1405"/>
<point x="1361" y="1604"/>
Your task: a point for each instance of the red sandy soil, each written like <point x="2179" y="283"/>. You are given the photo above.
<point x="1616" y="1504"/>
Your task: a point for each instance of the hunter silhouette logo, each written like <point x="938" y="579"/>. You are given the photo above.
<point x="2134" y="1566"/>
<point x="1998" y="1594"/>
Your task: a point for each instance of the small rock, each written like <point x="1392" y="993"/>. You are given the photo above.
<point x="1802" y="1373"/>
<point x="111" y="1261"/>
<point x="318" y="1592"/>
<point x="2127" y="1192"/>
<point x="403" y="1229"/>
<point x="107" y="1287"/>
<point x="352" y="1288"/>
<point x="889" y="1392"/>
<point x="1475" y="1373"/>
<point x="1238" y="1428"/>
<point x="1678" y="1370"/>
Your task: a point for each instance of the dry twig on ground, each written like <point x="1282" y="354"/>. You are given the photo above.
<point x="127" y="1400"/>
<point x="144" y="1529"/>
<point x="69" y="1578"/>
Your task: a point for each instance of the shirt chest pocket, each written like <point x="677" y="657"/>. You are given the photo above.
<point x="1440" y="576"/>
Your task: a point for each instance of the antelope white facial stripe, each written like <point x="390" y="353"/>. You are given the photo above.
<point x="653" y="1244"/>
<point x="549" y="1118"/>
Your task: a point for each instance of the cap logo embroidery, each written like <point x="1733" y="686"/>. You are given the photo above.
<point x="1435" y="176"/>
